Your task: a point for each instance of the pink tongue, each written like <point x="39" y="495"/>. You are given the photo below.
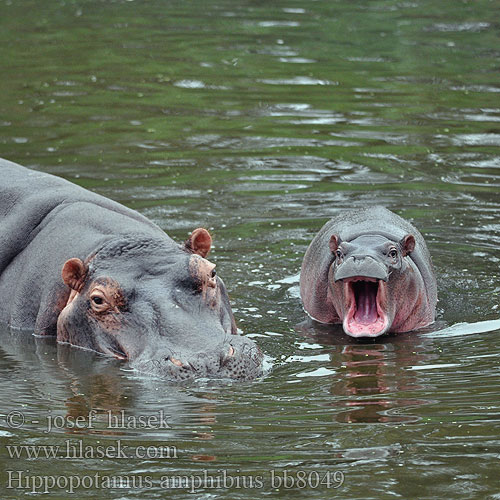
<point x="366" y="302"/>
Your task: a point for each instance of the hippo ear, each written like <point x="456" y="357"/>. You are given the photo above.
<point x="199" y="242"/>
<point x="73" y="274"/>
<point x="335" y="241"/>
<point x="407" y="244"/>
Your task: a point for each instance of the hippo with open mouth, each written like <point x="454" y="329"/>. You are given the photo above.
<point x="103" y="277"/>
<point x="370" y="270"/>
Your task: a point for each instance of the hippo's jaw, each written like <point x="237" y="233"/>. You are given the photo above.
<point x="364" y="307"/>
<point x="237" y="358"/>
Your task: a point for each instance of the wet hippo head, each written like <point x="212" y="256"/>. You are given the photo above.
<point x="372" y="283"/>
<point x="369" y="269"/>
<point x="159" y="305"/>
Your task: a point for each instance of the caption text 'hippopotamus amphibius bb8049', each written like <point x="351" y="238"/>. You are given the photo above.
<point x="103" y="277"/>
<point x="370" y="270"/>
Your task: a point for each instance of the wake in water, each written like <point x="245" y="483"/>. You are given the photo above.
<point x="460" y="329"/>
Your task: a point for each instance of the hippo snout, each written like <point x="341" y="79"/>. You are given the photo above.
<point x="364" y="266"/>
<point x="238" y="358"/>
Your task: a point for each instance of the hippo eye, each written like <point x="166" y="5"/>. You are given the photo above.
<point x="99" y="303"/>
<point x="338" y="253"/>
<point x="393" y="254"/>
<point x="213" y="274"/>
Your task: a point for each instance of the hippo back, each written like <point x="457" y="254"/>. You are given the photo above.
<point x="27" y="197"/>
<point x="45" y="220"/>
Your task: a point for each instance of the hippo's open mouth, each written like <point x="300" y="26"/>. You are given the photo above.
<point x="365" y="316"/>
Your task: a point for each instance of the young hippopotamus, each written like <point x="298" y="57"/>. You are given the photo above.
<point x="103" y="277"/>
<point x="370" y="270"/>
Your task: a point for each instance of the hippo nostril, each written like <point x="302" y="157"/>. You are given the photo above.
<point x="224" y="358"/>
<point x="190" y="365"/>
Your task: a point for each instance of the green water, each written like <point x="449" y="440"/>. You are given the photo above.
<point x="260" y="120"/>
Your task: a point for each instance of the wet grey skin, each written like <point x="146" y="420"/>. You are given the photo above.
<point x="365" y="256"/>
<point x="370" y="270"/>
<point x="102" y="277"/>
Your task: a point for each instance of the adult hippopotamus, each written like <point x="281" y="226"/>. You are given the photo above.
<point x="103" y="277"/>
<point x="370" y="270"/>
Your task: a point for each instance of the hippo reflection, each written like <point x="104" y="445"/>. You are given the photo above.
<point x="127" y="289"/>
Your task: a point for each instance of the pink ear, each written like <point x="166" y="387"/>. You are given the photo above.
<point x="407" y="244"/>
<point x="73" y="274"/>
<point x="335" y="241"/>
<point x="199" y="242"/>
